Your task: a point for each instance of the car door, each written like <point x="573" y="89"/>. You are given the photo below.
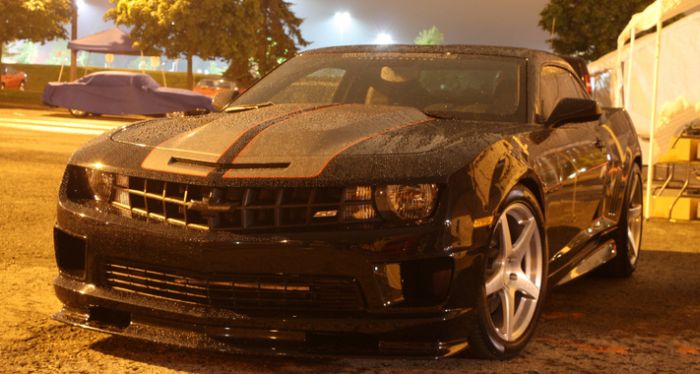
<point x="589" y="155"/>
<point x="13" y="78"/>
<point x="582" y="155"/>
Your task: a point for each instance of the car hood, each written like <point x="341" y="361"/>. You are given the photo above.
<point x="308" y="141"/>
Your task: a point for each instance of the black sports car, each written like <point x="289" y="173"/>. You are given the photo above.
<point x="396" y="200"/>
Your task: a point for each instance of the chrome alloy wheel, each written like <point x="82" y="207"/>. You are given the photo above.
<point x="634" y="219"/>
<point x="514" y="273"/>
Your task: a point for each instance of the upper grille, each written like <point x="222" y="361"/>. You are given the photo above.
<point x="241" y="208"/>
<point x="238" y="291"/>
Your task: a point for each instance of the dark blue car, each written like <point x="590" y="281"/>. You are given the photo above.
<point x="122" y="93"/>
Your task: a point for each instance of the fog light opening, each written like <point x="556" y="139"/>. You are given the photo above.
<point x="414" y="283"/>
<point x="70" y="253"/>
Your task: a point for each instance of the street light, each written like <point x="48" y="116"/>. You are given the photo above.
<point x="384" y="38"/>
<point x="342" y="20"/>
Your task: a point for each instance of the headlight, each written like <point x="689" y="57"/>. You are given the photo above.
<point x="411" y="202"/>
<point x="100" y="184"/>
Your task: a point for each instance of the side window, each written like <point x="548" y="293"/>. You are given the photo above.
<point x="317" y="87"/>
<point x="557" y="83"/>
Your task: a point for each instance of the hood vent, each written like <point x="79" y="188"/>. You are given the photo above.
<point x="227" y="166"/>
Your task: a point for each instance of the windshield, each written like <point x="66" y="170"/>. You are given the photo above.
<point x="442" y="85"/>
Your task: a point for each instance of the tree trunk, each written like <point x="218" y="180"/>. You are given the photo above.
<point x="73" y="36"/>
<point x="190" y="77"/>
<point x="239" y="72"/>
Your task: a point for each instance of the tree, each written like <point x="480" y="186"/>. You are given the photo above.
<point x="33" y="20"/>
<point x="431" y="36"/>
<point x="587" y="28"/>
<point x="278" y="38"/>
<point x="187" y="28"/>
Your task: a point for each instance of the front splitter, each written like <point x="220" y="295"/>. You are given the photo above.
<point x="263" y="342"/>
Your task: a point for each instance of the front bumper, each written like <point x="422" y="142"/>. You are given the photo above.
<point x="433" y="329"/>
<point x="137" y="317"/>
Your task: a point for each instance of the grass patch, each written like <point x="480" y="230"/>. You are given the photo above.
<point x="20" y="98"/>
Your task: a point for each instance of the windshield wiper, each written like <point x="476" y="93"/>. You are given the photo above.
<point x="241" y="108"/>
<point x="440" y="114"/>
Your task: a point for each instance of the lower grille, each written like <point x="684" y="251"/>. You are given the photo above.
<point x="238" y="291"/>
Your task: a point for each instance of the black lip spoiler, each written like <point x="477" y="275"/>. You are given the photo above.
<point x="225" y="166"/>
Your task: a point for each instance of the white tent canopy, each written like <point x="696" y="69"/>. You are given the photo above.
<point x="652" y="76"/>
<point x="659" y="11"/>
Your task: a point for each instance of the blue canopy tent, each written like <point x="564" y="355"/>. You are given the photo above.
<point x="110" y="41"/>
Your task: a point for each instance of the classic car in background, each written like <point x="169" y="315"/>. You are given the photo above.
<point x="12" y="79"/>
<point x="415" y="200"/>
<point x="123" y="93"/>
<point x="210" y="87"/>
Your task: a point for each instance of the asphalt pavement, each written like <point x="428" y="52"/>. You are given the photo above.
<point x="58" y="121"/>
<point x="647" y="323"/>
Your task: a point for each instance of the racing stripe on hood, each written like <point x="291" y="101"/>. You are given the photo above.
<point x="204" y="146"/>
<point x="308" y="143"/>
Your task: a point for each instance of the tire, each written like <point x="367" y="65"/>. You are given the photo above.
<point x="175" y="114"/>
<point x="78" y="113"/>
<point x="628" y="236"/>
<point x="520" y="281"/>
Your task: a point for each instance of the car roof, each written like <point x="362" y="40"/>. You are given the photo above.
<point x="115" y="73"/>
<point x="486" y="50"/>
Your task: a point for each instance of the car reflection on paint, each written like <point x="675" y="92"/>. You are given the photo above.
<point x="211" y="87"/>
<point x="396" y="200"/>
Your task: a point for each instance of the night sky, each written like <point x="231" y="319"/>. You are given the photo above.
<point x="495" y="22"/>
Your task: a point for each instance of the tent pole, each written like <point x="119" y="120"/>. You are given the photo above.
<point x="60" y="72"/>
<point x="141" y="63"/>
<point x="85" y="67"/>
<point x="652" y="122"/>
<point x="628" y="83"/>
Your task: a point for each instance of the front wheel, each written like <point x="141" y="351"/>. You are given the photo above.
<point x="78" y="113"/>
<point x="515" y="280"/>
<point x="175" y="114"/>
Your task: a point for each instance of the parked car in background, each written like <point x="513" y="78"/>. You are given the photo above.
<point x="123" y="93"/>
<point x="415" y="200"/>
<point x="211" y="87"/>
<point x="581" y="68"/>
<point x="12" y="79"/>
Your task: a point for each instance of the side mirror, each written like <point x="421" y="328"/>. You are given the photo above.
<point x="224" y="98"/>
<point x="571" y="110"/>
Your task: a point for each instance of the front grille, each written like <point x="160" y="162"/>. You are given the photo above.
<point x="238" y="291"/>
<point x="241" y="208"/>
